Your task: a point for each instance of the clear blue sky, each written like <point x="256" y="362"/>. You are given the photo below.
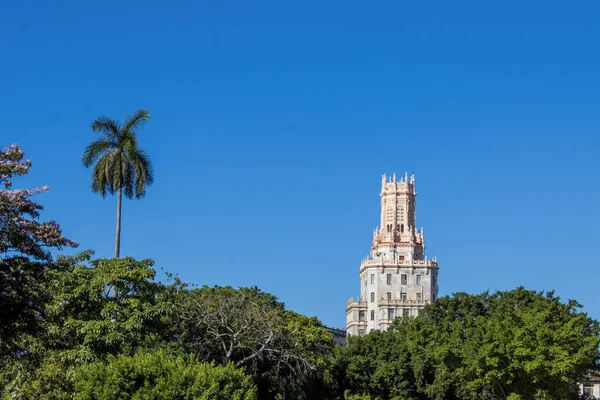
<point x="272" y="122"/>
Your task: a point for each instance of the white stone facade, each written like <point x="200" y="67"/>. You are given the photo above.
<point x="590" y="388"/>
<point x="396" y="279"/>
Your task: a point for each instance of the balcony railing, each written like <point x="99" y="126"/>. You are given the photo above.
<point x="400" y="302"/>
<point x="396" y="261"/>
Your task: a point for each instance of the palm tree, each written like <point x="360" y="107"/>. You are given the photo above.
<point x="120" y="165"/>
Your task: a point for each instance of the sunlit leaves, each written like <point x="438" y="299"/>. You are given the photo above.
<point x="518" y="344"/>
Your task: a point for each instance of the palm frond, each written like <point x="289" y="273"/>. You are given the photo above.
<point x="94" y="150"/>
<point x="108" y="127"/>
<point x="117" y="170"/>
<point x="119" y="162"/>
<point x="107" y="175"/>
<point x="128" y="143"/>
<point x="136" y="121"/>
<point x="129" y="178"/>
<point x="99" y="177"/>
<point x="144" y="173"/>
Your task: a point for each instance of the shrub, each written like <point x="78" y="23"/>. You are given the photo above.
<point x="159" y="375"/>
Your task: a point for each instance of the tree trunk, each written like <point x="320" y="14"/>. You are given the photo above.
<point x="118" y="235"/>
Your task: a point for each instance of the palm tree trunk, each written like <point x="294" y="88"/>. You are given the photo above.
<point x="118" y="235"/>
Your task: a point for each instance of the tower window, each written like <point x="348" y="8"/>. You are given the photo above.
<point x="402" y="228"/>
<point x="418" y="297"/>
<point x="403" y="279"/>
<point x="372" y="297"/>
<point x="434" y="281"/>
<point x="361" y="315"/>
<point x="418" y="279"/>
<point x="389" y="279"/>
<point x="389" y="295"/>
<point x="405" y="312"/>
<point x="372" y="315"/>
<point x="372" y="279"/>
<point x="361" y="332"/>
<point x="391" y="314"/>
<point x="403" y="296"/>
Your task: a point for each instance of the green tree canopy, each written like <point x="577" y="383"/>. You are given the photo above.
<point x="161" y="376"/>
<point x="518" y="344"/>
<point x="285" y="352"/>
<point x="111" y="307"/>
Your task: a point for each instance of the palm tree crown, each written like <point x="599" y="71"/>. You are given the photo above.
<point x="120" y="163"/>
<point x="120" y="166"/>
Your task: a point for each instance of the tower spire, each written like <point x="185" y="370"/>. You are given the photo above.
<point x="398" y="215"/>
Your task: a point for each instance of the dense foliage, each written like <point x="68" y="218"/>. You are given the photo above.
<point x="109" y="307"/>
<point x="24" y="244"/>
<point x="81" y="328"/>
<point x="284" y="351"/>
<point x="513" y="345"/>
<point x="113" y="308"/>
<point x="161" y="376"/>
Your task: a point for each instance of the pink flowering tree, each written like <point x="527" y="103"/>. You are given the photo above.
<point x="25" y="244"/>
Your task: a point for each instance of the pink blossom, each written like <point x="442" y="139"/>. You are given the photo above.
<point x="18" y="213"/>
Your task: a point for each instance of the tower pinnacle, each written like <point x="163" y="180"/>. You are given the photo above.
<point x="398" y="217"/>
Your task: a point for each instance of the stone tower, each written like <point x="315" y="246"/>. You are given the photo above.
<point x="396" y="279"/>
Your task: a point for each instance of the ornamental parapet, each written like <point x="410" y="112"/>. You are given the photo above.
<point x="401" y="303"/>
<point x="383" y="262"/>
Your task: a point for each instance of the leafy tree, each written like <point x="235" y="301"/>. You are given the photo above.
<point x="44" y="375"/>
<point x="285" y="352"/>
<point x="161" y="376"/>
<point x="112" y="307"/>
<point x="375" y="366"/>
<point x="121" y="166"/>
<point x="24" y="245"/>
<point x="307" y="348"/>
<point x="518" y="344"/>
